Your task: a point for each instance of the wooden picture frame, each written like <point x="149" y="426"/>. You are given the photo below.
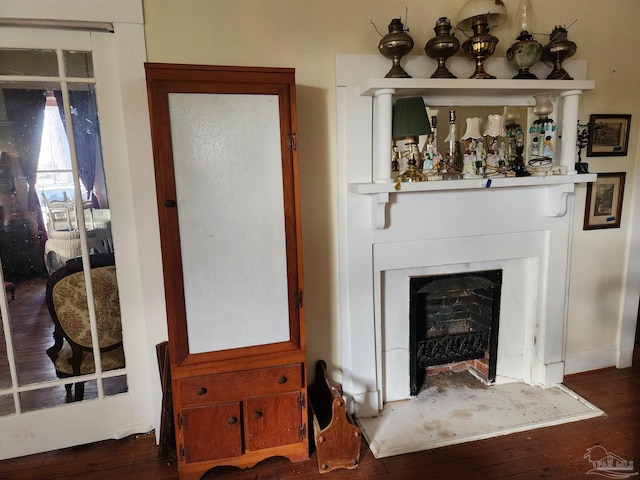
<point x="603" y="206"/>
<point x="608" y="135"/>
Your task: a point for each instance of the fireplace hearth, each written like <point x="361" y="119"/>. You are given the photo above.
<point x="453" y="318"/>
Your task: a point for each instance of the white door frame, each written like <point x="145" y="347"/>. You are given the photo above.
<point x="124" y="125"/>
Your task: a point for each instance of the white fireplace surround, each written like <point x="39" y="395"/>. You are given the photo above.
<point x="520" y="225"/>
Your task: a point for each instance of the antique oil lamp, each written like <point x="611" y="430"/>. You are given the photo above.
<point x="481" y="16"/>
<point x="526" y="52"/>
<point x="557" y="51"/>
<point x="441" y="47"/>
<point x="395" y="45"/>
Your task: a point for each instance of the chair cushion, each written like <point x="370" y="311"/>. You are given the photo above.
<point x="70" y="301"/>
<point x="110" y="360"/>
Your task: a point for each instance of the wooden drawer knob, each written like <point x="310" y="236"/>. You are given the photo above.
<point x="282" y="380"/>
<point x="232" y="420"/>
<point x="257" y="415"/>
<point x="201" y="391"/>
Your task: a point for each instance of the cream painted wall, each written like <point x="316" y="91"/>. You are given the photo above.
<point x="307" y="34"/>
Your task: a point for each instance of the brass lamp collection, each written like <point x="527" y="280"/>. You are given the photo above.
<point x="499" y="149"/>
<point x="476" y="20"/>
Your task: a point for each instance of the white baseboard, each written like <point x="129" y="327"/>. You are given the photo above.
<point x="592" y="360"/>
<point x="625" y="358"/>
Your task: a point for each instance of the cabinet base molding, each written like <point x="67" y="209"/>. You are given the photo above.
<point x="294" y="453"/>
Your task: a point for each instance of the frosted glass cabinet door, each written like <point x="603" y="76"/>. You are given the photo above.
<point x="226" y="166"/>
<point x="228" y="172"/>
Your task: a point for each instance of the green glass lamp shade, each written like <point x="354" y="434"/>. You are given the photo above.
<point x="410" y="118"/>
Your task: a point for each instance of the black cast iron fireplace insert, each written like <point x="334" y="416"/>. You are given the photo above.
<point x="453" y="318"/>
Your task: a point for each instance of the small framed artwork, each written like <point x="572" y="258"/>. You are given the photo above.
<point x="603" y="207"/>
<point x="608" y="135"/>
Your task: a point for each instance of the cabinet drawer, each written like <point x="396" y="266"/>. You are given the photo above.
<point x="232" y="386"/>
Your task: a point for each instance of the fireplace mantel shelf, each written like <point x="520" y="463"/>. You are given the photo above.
<point x="558" y="187"/>
<point x="449" y="92"/>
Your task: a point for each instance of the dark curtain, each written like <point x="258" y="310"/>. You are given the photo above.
<point x="85" y="132"/>
<point x="25" y="111"/>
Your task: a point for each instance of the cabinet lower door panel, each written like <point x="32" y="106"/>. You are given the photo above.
<point x="272" y="421"/>
<point x="212" y="432"/>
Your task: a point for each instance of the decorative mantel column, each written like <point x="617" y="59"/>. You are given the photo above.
<point x="383" y="110"/>
<point x="570" y="107"/>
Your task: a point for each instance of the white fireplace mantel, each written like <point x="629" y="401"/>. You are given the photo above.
<point x="521" y="225"/>
<point x="557" y="188"/>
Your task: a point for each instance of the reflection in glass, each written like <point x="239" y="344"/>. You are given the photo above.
<point x="115" y="385"/>
<point x="5" y="374"/>
<point x="42" y="398"/>
<point x="6" y="405"/>
<point x="44" y="203"/>
<point x="14" y="61"/>
<point x="78" y="64"/>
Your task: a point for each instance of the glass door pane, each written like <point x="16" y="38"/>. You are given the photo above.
<point x="55" y="227"/>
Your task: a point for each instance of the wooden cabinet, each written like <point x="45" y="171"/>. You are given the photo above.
<point x="226" y="162"/>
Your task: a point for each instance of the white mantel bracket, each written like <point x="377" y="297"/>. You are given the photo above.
<point x="557" y="199"/>
<point x="380" y="211"/>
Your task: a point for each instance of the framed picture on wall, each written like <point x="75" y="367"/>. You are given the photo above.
<point x="608" y="135"/>
<point x="603" y="207"/>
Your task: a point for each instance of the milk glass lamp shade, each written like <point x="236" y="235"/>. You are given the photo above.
<point x="491" y="12"/>
<point x="480" y="17"/>
<point x="543" y="106"/>
<point x="495" y="126"/>
<point x="473" y="128"/>
<point x="410" y="118"/>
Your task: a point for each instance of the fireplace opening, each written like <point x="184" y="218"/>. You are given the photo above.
<point x="453" y="322"/>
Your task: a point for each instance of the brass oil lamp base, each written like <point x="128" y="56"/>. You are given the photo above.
<point x="557" y="51"/>
<point x="480" y="47"/>
<point x="395" y="45"/>
<point x="441" y="47"/>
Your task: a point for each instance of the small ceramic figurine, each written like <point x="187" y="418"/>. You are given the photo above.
<point x="431" y="160"/>
<point x="493" y="158"/>
<point x="534" y="146"/>
<point x="502" y="154"/>
<point x="547" y="151"/>
<point x="469" y="159"/>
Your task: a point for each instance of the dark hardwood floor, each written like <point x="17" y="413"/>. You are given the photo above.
<point x="553" y="452"/>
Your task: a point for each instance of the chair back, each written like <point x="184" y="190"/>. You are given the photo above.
<point x="68" y="302"/>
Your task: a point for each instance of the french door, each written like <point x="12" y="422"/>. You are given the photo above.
<point x="56" y="116"/>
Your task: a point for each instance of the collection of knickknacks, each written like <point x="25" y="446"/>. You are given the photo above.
<point x="493" y="148"/>
<point x="498" y="149"/>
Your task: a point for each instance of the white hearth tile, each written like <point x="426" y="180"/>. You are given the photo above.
<point x="457" y="413"/>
